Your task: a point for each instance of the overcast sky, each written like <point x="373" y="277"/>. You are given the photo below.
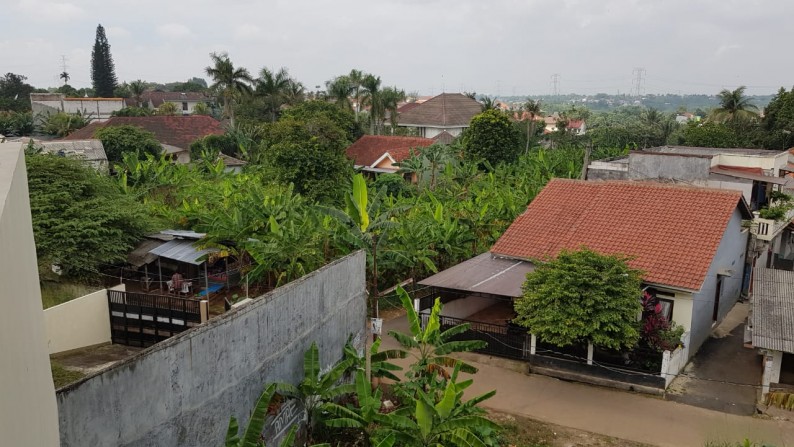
<point x="429" y="46"/>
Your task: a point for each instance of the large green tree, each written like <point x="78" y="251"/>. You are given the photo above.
<point x="582" y="296"/>
<point x="15" y="93"/>
<point x="344" y="119"/>
<point x="121" y="140"/>
<point x="103" y="72"/>
<point x="492" y="137"/>
<point x="778" y="121"/>
<point x="81" y="219"/>
<point x="311" y="155"/>
<point x="229" y="83"/>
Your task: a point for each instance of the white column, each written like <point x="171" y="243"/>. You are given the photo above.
<point x="416" y="305"/>
<point x="533" y="344"/>
<point x="589" y="353"/>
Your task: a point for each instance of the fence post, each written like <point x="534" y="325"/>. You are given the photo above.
<point x="416" y="305"/>
<point x="589" y="353"/>
<point x="204" y="310"/>
<point x="665" y="372"/>
<point x="533" y="344"/>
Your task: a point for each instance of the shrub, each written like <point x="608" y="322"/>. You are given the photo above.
<point x="62" y="124"/>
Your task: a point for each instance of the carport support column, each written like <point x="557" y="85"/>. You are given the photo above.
<point x="533" y="344"/>
<point x="416" y="305"/>
<point x="773" y="360"/>
<point x="589" y="353"/>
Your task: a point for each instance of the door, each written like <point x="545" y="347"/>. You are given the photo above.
<point x="717" y="294"/>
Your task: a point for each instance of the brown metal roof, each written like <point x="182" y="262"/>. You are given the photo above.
<point x="484" y="274"/>
<point x="773" y="310"/>
<point x="751" y="176"/>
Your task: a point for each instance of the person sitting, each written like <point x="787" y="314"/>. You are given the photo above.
<point x="176" y="281"/>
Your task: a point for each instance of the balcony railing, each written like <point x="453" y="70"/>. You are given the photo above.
<point x="767" y="229"/>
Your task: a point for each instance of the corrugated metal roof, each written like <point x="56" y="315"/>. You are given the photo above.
<point x="142" y="253"/>
<point x="184" y="233"/>
<point x="91" y="150"/>
<point x="751" y="176"/>
<point x="773" y="310"/>
<point x="182" y="251"/>
<point x="484" y="274"/>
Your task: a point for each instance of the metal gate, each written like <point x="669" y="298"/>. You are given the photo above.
<point x="139" y="319"/>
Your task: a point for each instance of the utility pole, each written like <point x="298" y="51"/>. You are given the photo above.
<point x="638" y="77"/>
<point x="555" y="80"/>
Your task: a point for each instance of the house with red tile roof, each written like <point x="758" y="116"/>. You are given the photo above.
<point x="379" y="153"/>
<point x="688" y="241"/>
<point x="450" y="112"/>
<point x="759" y="173"/>
<point x="175" y="133"/>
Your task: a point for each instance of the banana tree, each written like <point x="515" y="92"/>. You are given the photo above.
<point x="316" y="387"/>
<point x="448" y="421"/>
<point x="252" y="436"/>
<point x="431" y="346"/>
<point x="379" y="360"/>
<point x="365" y="416"/>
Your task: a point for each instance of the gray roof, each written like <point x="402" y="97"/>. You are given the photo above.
<point x="691" y="150"/>
<point x="773" y="310"/>
<point x="182" y="251"/>
<point x="91" y="150"/>
<point x="142" y="253"/>
<point x="485" y="273"/>
<point x="184" y="234"/>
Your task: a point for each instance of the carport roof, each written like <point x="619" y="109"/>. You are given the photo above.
<point x="485" y="273"/>
<point x="773" y="310"/>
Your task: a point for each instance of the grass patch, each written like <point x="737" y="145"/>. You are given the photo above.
<point x="62" y="376"/>
<point x="55" y="293"/>
<point x="524" y="432"/>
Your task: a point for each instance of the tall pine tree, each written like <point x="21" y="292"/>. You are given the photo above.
<point x="103" y="73"/>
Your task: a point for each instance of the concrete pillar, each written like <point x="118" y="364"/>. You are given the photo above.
<point x="416" y="305"/>
<point x="533" y="344"/>
<point x="772" y="363"/>
<point x="666" y="366"/>
<point x="204" y="308"/>
<point x="589" y="353"/>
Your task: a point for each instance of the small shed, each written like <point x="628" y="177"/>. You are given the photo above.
<point x="773" y="326"/>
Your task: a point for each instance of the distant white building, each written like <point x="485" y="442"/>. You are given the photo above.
<point x="98" y="109"/>
<point x="184" y="101"/>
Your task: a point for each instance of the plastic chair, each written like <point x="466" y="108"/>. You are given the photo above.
<point x="186" y="286"/>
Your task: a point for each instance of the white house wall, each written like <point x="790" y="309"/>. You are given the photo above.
<point x="745" y="186"/>
<point x="730" y="256"/>
<point x="28" y="413"/>
<point x="771" y="165"/>
<point x="430" y="132"/>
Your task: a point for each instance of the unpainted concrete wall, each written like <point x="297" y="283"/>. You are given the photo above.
<point x="80" y="322"/>
<point x="653" y="166"/>
<point x="181" y="392"/>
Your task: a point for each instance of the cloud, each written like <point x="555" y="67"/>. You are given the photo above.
<point x="174" y="31"/>
<point x="117" y="31"/>
<point x="725" y="49"/>
<point x="247" y="31"/>
<point x="53" y="11"/>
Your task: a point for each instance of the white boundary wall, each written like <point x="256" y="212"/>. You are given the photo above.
<point x="81" y="322"/>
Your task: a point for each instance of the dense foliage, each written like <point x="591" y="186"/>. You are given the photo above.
<point x="582" y="296"/>
<point x="103" y="71"/>
<point x="15" y="93"/>
<point x="62" y="124"/>
<point x="121" y="140"/>
<point x="81" y="219"/>
<point x="15" y="124"/>
<point x="492" y="137"/>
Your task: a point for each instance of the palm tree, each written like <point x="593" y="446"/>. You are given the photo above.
<point x="355" y="77"/>
<point x="295" y="93"/>
<point x="229" y="82"/>
<point x="373" y="98"/>
<point x="487" y="103"/>
<point x="65" y="76"/>
<point x="339" y="90"/>
<point x="137" y="88"/>
<point x="734" y="107"/>
<point x="391" y="98"/>
<point x="273" y="88"/>
<point x="532" y="108"/>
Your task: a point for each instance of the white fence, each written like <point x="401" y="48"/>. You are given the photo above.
<point x="81" y="322"/>
<point x="674" y="362"/>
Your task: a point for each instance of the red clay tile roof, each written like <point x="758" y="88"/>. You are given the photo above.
<point x="747" y="170"/>
<point x="370" y="148"/>
<point x="444" y="110"/>
<point x="671" y="231"/>
<point x="178" y="131"/>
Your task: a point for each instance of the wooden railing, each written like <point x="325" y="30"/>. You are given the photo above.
<point x="139" y="319"/>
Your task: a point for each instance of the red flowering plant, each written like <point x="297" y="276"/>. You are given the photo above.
<point x="656" y="330"/>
